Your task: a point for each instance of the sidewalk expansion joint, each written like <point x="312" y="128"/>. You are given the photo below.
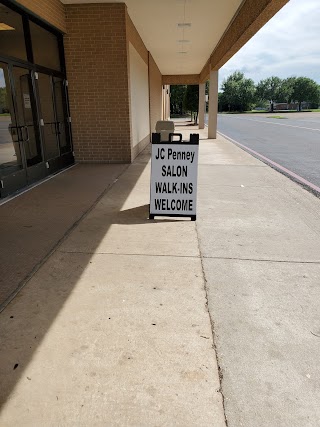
<point x="214" y="347"/>
<point x="127" y="254"/>
<point x="284" y="261"/>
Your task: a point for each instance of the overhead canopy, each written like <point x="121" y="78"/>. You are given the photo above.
<point x="190" y="37"/>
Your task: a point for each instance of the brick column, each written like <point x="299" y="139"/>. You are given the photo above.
<point x="97" y="70"/>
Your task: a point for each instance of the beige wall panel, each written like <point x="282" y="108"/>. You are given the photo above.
<point x="139" y="97"/>
<point x="155" y="88"/>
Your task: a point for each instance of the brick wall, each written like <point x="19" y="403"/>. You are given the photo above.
<point x="96" y="49"/>
<point x="51" y="11"/>
<point x="155" y="91"/>
<point x="96" y="59"/>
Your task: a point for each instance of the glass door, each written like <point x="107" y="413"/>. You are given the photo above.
<point x="35" y="130"/>
<point x="21" y="160"/>
<point x="49" y="123"/>
<point x="55" y="120"/>
<point x="12" y="164"/>
<point x="27" y="122"/>
<point x="63" y="125"/>
<point x="10" y="155"/>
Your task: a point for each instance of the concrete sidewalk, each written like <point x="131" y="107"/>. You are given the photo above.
<point x="33" y="223"/>
<point x="116" y="327"/>
<point x="259" y="236"/>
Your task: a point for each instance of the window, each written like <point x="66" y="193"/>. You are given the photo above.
<point x="11" y="34"/>
<point x="45" y="47"/>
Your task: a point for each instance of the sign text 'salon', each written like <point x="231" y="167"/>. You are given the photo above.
<point x="174" y="172"/>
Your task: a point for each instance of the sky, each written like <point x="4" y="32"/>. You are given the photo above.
<point x="288" y="45"/>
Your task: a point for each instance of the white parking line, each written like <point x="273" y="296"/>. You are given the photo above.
<point x="277" y="124"/>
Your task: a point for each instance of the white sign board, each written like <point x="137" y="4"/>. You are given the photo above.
<point x="27" y="101"/>
<point x="174" y="173"/>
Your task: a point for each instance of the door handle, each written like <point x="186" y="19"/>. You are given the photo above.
<point x="15" y="134"/>
<point x="27" y="134"/>
<point x="58" y="128"/>
<point x="19" y="131"/>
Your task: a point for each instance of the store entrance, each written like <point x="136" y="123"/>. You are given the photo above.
<point x="21" y="159"/>
<point x="35" y="129"/>
<point x="55" y="120"/>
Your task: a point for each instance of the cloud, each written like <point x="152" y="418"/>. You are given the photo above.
<point x="287" y="45"/>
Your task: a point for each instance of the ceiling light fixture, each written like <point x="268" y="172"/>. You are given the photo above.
<point x="183" y="41"/>
<point x="184" y="24"/>
<point x="5" y="27"/>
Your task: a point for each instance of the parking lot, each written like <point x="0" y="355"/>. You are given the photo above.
<point x="290" y="140"/>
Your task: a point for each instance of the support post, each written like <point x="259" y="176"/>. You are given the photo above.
<point x="167" y="102"/>
<point x="213" y="105"/>
<point x="163" y="115"/>
<point x="202" y="101"/>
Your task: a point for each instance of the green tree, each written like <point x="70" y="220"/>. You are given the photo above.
<point x="286" y="90"/>
<point x="305" y="90"/>
<point x="177" y="93"/>
<point x="270" y="90"/>
<point x="191" y="101"/>
<point x="207" y="87"/>
<point x="3" y="99"/>
<point x="238" y="93"/>
<point x="222" y="105"/>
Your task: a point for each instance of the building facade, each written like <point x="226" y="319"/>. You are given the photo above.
<point x="77" y="82"/>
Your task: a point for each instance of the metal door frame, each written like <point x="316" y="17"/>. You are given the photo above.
<point x="63" y="158"/>
<point x="43" y="168"/>
<point x="28" y="174"/>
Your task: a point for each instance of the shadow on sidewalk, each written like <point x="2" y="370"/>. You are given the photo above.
<point x="139" y="215"/>
<point x="27" y="319"/>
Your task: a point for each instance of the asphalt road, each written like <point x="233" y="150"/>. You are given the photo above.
<point x="5" y="137"/>
<point x="292" y="142"/>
